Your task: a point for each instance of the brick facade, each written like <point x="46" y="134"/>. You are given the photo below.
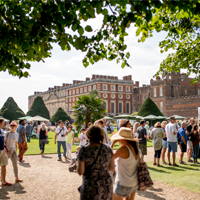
<point x="173" y="94"/>
<point x="116" y="93"/>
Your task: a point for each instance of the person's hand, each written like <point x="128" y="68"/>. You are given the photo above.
<point x="8" y="153"/>
<point x="55" y="142"/>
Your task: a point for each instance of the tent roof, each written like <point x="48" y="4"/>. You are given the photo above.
<point x="25" y="117"/>
<point x="6" y="120"/>
<point x="38" y="118"/>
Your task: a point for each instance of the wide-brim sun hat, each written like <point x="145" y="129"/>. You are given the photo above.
<point x="13" y="124"/>
<point x="124" y="134"/>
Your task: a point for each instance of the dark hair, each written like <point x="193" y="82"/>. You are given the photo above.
<point x="124" y="122"/>
<point x="142" y="122"/>
<point x="134" y="145"/>
<point x="1" y="120"/>
<point x="100" y="121"/>
<point x="20" y="121"/>
<point x="89" y="123"/>
<point x="194" y="128"/>
<point x="60" y="121"/>
<point x="69" y="126"/>
<point x="95" y="134"/>
<point x="83" y="129"/>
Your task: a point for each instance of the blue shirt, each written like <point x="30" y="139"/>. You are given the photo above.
<point x="181" y="133"/>
<point x="20" y="130"/>
<point x="1" y="140"/>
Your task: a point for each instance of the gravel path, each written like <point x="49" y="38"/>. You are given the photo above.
<point x="47" y="179"/>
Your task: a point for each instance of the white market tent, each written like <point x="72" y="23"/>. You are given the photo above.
<point x="5" y="120"/>
<point x="38" y="118"/>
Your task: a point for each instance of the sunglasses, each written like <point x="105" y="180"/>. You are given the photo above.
<point x="12" y="125"/>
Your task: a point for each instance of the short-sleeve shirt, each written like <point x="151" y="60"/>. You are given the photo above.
<point x="82" y="137"/>
<point x="69" y="137"/>
<point x="11" y="139"/>
<point x="170" y="129"/>
<point x="61" y="131"/>
<point x="141" y="133"/>
<point x="147" y="128"/>
<point x="181" y="133"/>
<point x="20" y="130"/>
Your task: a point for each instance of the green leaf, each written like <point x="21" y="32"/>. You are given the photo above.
<point x="81" y="31"/>
<point x="88" y="28"/>
<point x="123" y="65"/>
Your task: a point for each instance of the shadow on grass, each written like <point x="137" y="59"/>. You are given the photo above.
<point x="150" y="195"/>
<point x="158" y="170"/>
<point x="47" y="157"/>
<point x="192" y="169"/>
<point x="16" y="188"/>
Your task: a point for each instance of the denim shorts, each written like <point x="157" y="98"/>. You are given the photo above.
<point x="123" y="191"/>
<point x="172" y="146"/>
<point x="164" y="143"/>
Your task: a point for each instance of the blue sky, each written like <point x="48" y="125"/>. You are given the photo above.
<point x="64" y="67"/>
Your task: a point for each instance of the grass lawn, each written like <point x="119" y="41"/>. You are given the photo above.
<point x="184" y="176"/>
<point x="33" y="146"/>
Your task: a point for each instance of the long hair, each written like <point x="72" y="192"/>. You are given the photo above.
<point x="135" y="147"/>
<point x="136" y="125"/>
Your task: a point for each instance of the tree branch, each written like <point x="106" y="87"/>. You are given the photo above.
<point x="8" y="21"/>
<point x="136" y="10"/>
<point x="114" y="13"/>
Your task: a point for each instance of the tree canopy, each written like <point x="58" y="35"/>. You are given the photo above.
<point x="38" y="108"/>
<point x="149" y="108"/>
<point x="88" y="108"/>
<point x="11" y="110"/>
<point x="60" y="115"/>
<point x="28" y="29"/>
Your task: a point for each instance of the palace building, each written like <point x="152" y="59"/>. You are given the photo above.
<point x="173" y="94"/>
<point x="117" y="94"/>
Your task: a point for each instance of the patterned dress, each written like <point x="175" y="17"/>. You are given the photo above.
<point x="97" y="182"/>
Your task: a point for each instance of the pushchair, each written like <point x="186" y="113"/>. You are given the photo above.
<point x="73" y="165"/>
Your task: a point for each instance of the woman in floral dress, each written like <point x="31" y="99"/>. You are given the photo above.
<point x="94" y="163"/>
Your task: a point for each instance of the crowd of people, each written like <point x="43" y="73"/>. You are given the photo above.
<point x="107" y="174"/>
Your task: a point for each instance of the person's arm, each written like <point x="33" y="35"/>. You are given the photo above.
<point x="120" y="152"/>
<point x="16" y="145"/>
<point x="73" y="138"/>
<point x="183" y="138"/>
<point x="111" y="166"/>
<point x="23" y="135"/>
<point x="55" y="138"/>
<point x="174" y="130"/>
<point x="5" y="145"/>
<point x="144" y="132"/>
<point x="46" y="133"/>
<point x="113" y="143"/>
<point x="38" y="131"/>
<point x="81" y="167"/>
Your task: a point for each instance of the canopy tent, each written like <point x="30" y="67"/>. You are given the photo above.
<point x="25" y="117"/>
<point x="38" y="118"/>
<point x="177" y="117"/>
<point x="5" y="120"/>
<point x="138" y="117"/>
<point x="152" y="117"/>
<point x="161" y="117"/>
<point x="108" y="118"/>
<point x="124" y="117"/>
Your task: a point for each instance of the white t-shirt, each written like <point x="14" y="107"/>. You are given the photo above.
<point x="82" y="137"/>
<point x="170" y="128"/>
<point x="61" y="131"/>
<point x="11" y="139"/>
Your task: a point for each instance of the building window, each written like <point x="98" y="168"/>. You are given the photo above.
<point x="161" y="106"/>
<point x="73" y="92"/>
<point x="69" y="99"/>
<point x="77" y="91"/>
<point x="120" y="96"/>
<point x="99" y="86"/>
<point x="128" y="88"/>
<point x="185" y="91"/>
<point x="161" y="92"/>
<point x="112" y="96"/>
<point x="154" y="92"/>
<point x="70" y="93"/>
<point x="198" y="91"/>
<point x="120" y="88"/>
<point x="76" y="98"/>
<point x="128" y="96"/>
<point x="105" y="95"/>
<point x="127" y="108"/>
<point x="94" y="87"/>
<point x="73" y="98"/>
<point x="105" y="87"/>
<point x="120" y="108"/>
<point x="134" y="99"/>
<point x="66" y="93"/>
<point x="134" y="109"/>
<point x="89" y="88"/>
<point x="112" y="107"/>
<point x="112" y="87"/>
<point x="144" y="97"/>
<point x="85" y="89"/>
<point x="81" y="90"/>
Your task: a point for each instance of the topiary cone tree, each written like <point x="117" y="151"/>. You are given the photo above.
<point x="149" y="108"/>
<point x="60" y="115"/>
<point x="38" y="108"/>
<point x="11" y="110"/>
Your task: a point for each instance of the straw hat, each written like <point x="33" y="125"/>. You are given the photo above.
<point x="124" y="134"/>
<point x="13" y="124"/>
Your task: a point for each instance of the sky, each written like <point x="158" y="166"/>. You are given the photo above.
<point x="64" y="67"/>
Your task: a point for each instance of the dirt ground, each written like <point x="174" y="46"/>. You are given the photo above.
<point x="46" y="178"/>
